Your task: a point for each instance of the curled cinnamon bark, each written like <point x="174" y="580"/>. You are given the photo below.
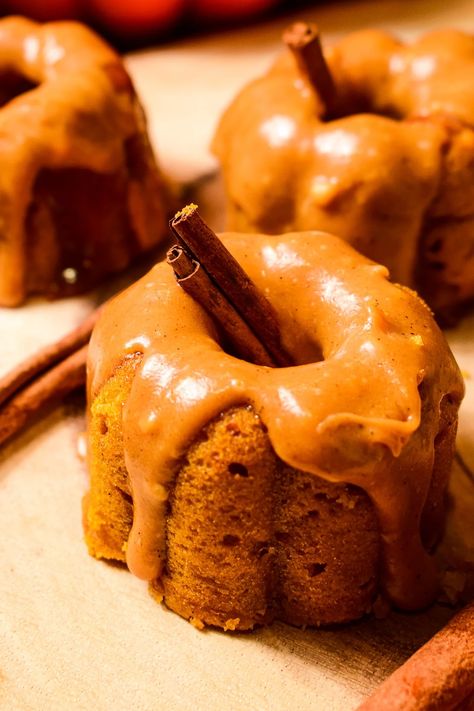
<point x="231" y="281"/>
<point x="44" y="392"/>
<point x="43" y="379"/>
<point x="438" y="677"/>
<point x="46" y="357"/>
<point x="303" y="40"/>
<point x="196" y="282"/>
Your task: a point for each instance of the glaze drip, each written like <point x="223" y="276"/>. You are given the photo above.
<point x="355" y="417"/>
<point x="78" y="115"/>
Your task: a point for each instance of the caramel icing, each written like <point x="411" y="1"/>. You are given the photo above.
<point x="392" y="172"/>
<point x="78" y="114"/>
<point x="353" y="415"/>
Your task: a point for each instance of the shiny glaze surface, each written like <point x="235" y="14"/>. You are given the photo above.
<point x="354" y="416"/>
<point x="78" y="114"/>
<point x="392" y="172"/>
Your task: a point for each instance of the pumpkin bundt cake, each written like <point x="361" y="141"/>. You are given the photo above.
<point x="388" y="165"/>
<point x="245" y="493"/>
<point x="80" y="193"/>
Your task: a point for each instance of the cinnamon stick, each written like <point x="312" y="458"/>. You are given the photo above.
<point x="438" y="677"/>
<point x="46" y="357"/>
<point x="43" y="379"/>
<point x="196" y="282"/>
<point x="42" y="393"/>
<point x="228" y="277"/>
<point x="303" y="40"/>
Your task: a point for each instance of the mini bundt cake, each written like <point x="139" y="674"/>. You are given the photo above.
<point x="80" y="193"/>
<point x="389" y="167"/>
<point x="245" y="493"/>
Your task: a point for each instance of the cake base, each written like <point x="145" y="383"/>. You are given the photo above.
<point x="249" y="539"/>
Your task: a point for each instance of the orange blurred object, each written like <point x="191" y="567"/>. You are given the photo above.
<point x="129" y="18"/>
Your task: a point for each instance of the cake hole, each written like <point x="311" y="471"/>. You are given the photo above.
<point x="309" y="350"/>
<point x="282" y="536"/>
<point x="321" y="496"/>
<point x="361" y="103"/>
<point x="260" y="549"/>
<point x="313" y="513"/>
<point x="316" y="569"/>
<point x="233" y="428"/>
<point x="230" y="540"/>
<point x="226" y="510"/>
<point x="368" y="583"/>
<point x="237" y="469"/>
<point x="13" y="84"/>
<point x="436" y="246"/>
<point x="103" y="427"/>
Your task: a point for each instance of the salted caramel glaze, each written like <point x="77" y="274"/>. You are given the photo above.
<point x="80" y="193"/>
<point x="391" y="171"/>
<point x="365" y="412"/>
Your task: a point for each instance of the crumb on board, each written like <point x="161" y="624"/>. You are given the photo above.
<point x="197" y="623"/>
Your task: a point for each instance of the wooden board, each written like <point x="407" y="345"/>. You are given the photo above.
<point x="79" y="634"/>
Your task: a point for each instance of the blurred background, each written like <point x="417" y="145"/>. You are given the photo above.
<point x="133" y="23"/>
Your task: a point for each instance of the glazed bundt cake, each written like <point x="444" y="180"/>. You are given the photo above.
<point x="245" y="493"/>
<point x="80" y="192"/>
<point x="388" y="166"/>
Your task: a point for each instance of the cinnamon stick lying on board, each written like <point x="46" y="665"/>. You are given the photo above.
<point x="438" y="677"/>
<point x="43" y="379"/>
<point x="302" y="38"/>
<point x="230" y="284"/>
<point x="46" y="357"/>
<point x="42" y="393"/>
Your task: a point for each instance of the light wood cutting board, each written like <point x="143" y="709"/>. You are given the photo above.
<point x="79" y="634"/>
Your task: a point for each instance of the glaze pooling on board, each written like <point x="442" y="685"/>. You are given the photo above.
<point x="354" y="417"/>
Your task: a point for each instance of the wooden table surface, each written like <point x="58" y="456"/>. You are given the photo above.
<point x="79" y="634"/>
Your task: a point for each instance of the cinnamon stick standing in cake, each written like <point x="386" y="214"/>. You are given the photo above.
<point x="438" y="677"/>
<point x="227" y="277"/>
<point x="303" y="40"/>
<point x="197" y="283"/>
